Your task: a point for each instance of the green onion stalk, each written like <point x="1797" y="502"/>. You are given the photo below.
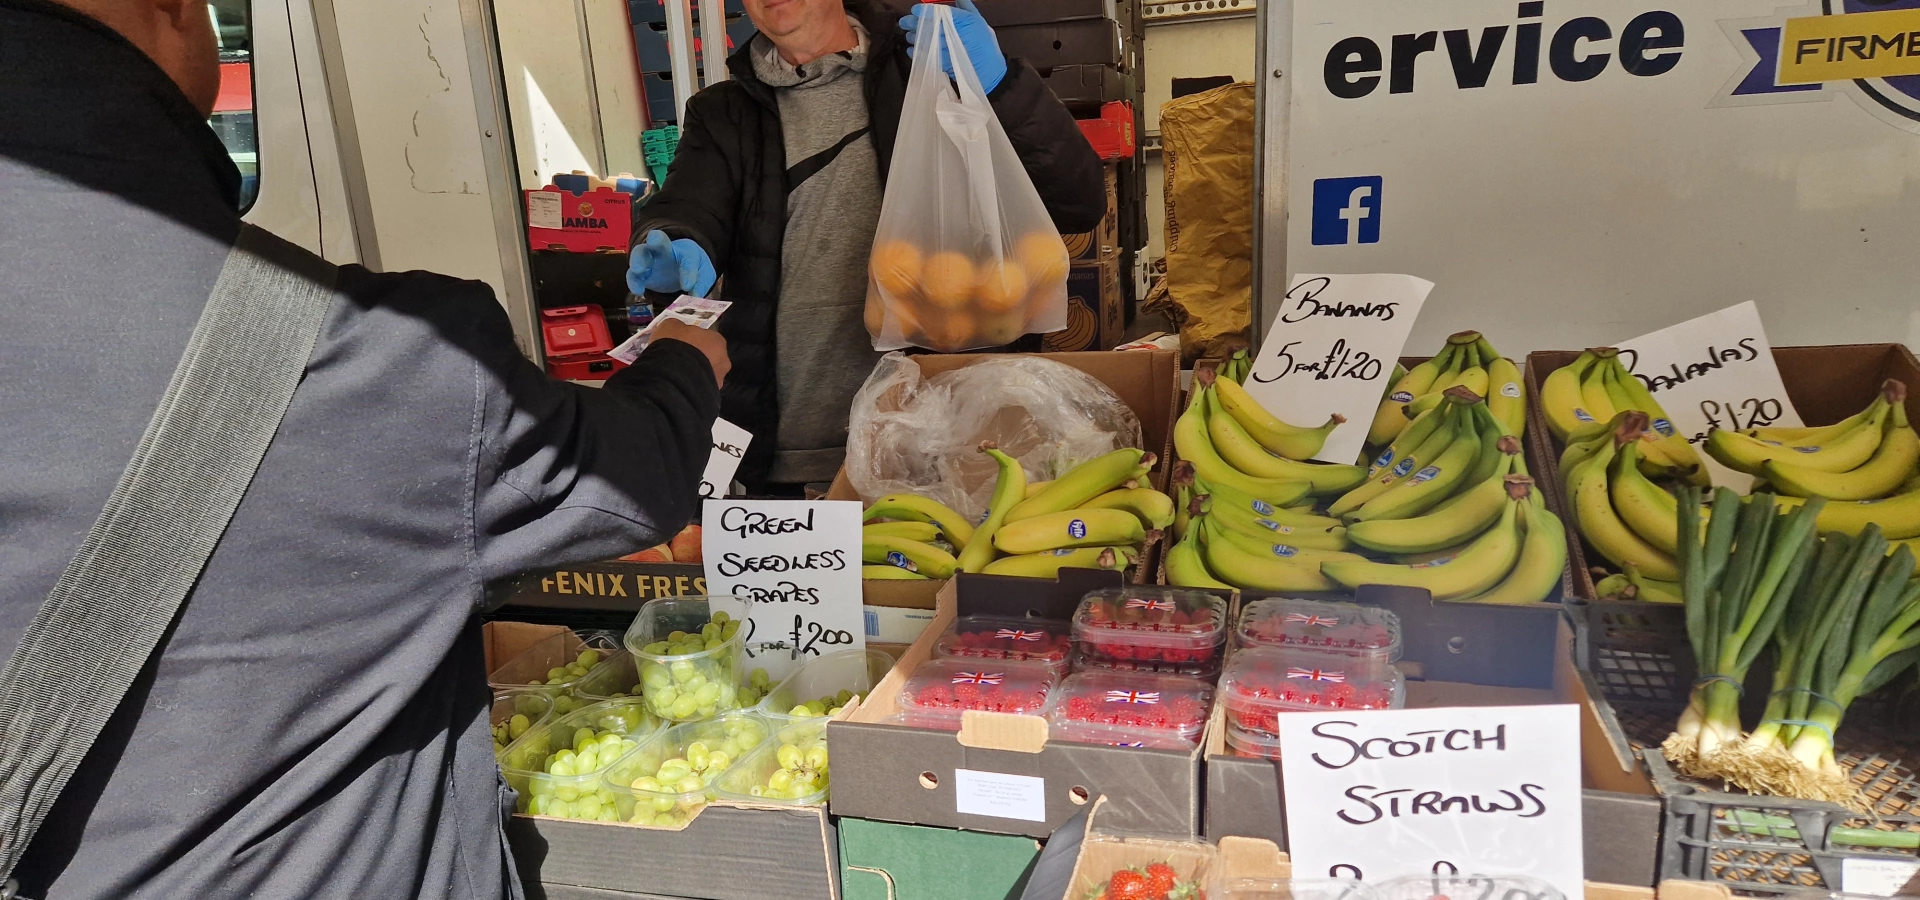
<point x="1737" y="581"/>
<point x="1872" y="642"/>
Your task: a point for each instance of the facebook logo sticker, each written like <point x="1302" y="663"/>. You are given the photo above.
<point x="1346" y="210"/>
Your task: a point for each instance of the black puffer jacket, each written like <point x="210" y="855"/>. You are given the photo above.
<point x="727" y="189"/>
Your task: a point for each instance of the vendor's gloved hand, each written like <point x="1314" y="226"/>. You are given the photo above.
<point x="667" y="266"/>
<point x="976" y="36"/>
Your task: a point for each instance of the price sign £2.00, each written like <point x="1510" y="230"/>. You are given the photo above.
<point x="1332" y="349"/>
<point x="798" y="563"/>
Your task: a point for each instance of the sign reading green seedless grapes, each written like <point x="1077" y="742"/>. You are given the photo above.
<point x="798" y="563"/>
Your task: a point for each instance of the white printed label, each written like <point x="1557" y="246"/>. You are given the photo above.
<point x="1876" y="877"/>
<point x="1001" y="796"/>
<point x="729" y="447"/>
<point x="543" y="209"/>
<point x="1332" y="348"/>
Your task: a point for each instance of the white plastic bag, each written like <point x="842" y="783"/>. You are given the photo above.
<point x="965" y="255"/>
<point x="911" y="434"/>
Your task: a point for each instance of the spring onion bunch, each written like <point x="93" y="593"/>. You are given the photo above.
<point x="1842" y="615"/>
<point x="1736" y="579"/>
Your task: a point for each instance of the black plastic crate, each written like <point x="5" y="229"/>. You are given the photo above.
<point x="1770" y="846"/>
<point x="1636" y="651"/>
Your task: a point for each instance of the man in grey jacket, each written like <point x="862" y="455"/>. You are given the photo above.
<point x="315" y="724"/>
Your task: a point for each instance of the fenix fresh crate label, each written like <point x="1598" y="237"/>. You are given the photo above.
<point x="1331" y="349"/>
<point x="1460" y="791"/>
<point x="798" y="562"/>
<point x="1716" y="371"/>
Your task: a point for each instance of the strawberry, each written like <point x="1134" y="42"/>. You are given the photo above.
<point x="1160" y="880"/>
<point x="1129" y="884"/>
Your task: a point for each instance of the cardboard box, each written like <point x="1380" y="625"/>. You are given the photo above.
<point x="1623" y="817"/>
<point x="789" y="852"/>
<point x="1102" y="243"/>
<point x="908" y="774"/>
<point x="724" y="853"/>
<point x="1826" y="384"/>
<point x="1147" y="382"/>
<point x="1096" y="311"/>
<point x="1005" y="13"/>
<point x="1086" y="42"/>
<point x="886" y="861"/>
<point x="1085" y="88"/>
<point x="614" y="585"/>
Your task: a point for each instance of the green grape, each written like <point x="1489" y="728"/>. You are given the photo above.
<point x="780" y="780"/>
<point x="673" y="770"/>
<point x="638" y="689"/>
<point x="801" y="710"/>
<point x="721" y="617"/>
<point x="708" y="693"/>
<point x="816" y="757"/>
<point x="685" y="708"/>
<point x="518" y="725"/>
<point x="576" y="670"/>
<point x="657" y="648"/>
<point x="759" y="678"/>
<point x="677" y="637"/>
<point x="718" y="761"/>
<point x="789" y="756"/>
<point x="534" y="683"/>
<point x="556" y="674"/>
<point x="589" y="658"/>
<point x="698" y="755"/>
<point x="690" y="784"/>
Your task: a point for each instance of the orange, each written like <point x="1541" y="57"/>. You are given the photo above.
<point x="1004" y="328"/>
<point x="906" y="318"/>
<point x="876" y="312"/>
<point x="948" y="280"/>
<point x="896" y="267"/>
<point x="949" y="332"/>
<point x="1003" y="286"/>
<point x="1044" y="257"/>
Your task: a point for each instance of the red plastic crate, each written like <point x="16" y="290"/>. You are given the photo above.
<point x="1112" y="134"/>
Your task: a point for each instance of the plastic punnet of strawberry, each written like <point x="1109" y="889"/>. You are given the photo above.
<point x="1161" y="626"/>
<point x="1162" y="712"/>
<point x="1344" y="628"/>
<point x="1260" y="683"/>
<point x="1009" y="638"/>
<point x="941" y="690"/>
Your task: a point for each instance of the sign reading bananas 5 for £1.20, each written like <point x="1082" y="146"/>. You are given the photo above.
<point x="1572" y="173"/>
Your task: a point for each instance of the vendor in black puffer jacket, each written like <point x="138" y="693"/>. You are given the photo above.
<point x="777" y="187"/>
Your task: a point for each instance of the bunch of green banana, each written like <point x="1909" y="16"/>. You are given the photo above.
<point x="1097" y="516"/>
<point x="1236" y="368"/>
<point x="1582" y="399"/>
<point x="1867" y="456"/>
<point x="1469" y="361"/>
<point x="1519" y="559"/>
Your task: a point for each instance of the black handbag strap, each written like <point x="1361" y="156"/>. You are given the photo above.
<point x="118" y="597"/>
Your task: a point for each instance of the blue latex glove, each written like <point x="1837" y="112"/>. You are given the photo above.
<point x="976" y="37"/>
<point x="667" y="266"/>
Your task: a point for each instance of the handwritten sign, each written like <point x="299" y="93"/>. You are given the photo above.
<point x="1467" y="791"/>
<point x="729" y="448"/>
<point x="1716" y="371"/>
<point x="1332" y="349"/>
<point x="798" y="562"/>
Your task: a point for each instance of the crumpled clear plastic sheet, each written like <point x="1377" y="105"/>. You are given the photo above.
<point x="910" y="434"/>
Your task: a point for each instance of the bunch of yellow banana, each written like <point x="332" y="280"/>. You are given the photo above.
<point x="1100" y="515"/>
<point x="1518" y="560"/>
<point x="1226" y="538"/>
<point x="1236" y="368"/>
<point x="1625" y="515"/>
<point x="1867" y="456"/>
<point x="1468" y="361"/>
<point x="1582" y="399"/>
<point x="1232" y="442"/>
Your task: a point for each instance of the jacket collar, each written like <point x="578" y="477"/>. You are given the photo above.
<point x="117" y="106"/>
<point x="885" y="41"/>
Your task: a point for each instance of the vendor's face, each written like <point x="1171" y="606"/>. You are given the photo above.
<point x="779" y="19"/>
